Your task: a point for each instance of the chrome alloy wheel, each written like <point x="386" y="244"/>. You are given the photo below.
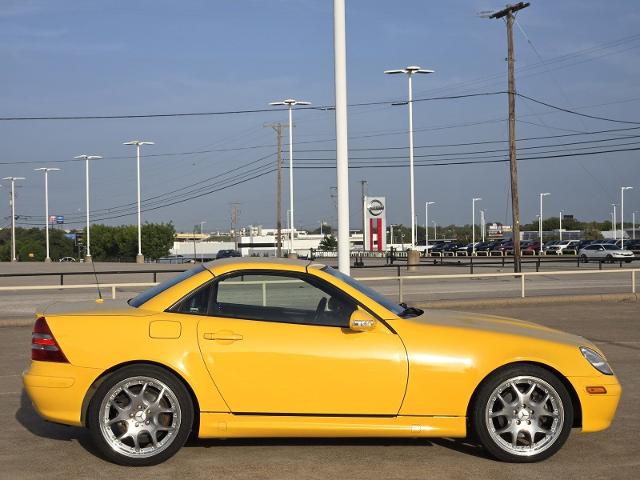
<point x="524" y="415"/>
<point x="139" y="417"/>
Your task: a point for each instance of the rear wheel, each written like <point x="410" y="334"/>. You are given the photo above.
<point x="140" y="415"/>
<point x="584" y="258"/>
<point x="609" y="258"/>
<point x="522" y="414"/>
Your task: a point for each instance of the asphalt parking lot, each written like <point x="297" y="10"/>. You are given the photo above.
<point x="32" y="448"/>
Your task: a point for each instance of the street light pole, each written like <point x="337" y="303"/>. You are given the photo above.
<point x="426" y="226"/>
<point x="290" y="103"/>
<point x="560" y="230"/>
<point x="138" y="144"/>
<point x="473" y="225"/>
<point x="482" y="224"/>
<point x="633" y="228"/>
<point x="622" y="189"/>
<point x="46" y="204"/>
<point x="540" y="221"/>
<point x="435" y="236"/>
<point x="86" y="158"/>
<point x="13" y="215"/>
<point x="410" y="71"/>
<point x="614" y="222"/>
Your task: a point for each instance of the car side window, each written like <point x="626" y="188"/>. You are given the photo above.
<point x="197" y="302"/>
<point x="281" y="297"/>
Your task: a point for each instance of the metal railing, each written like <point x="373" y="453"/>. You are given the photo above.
<point x="522" y="276"/>
<point x="401" y="280"/>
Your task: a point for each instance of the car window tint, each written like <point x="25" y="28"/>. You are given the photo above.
<point x="281" y="298"/>
<point x="196" y="303"/>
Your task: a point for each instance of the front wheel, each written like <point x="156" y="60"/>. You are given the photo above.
<point x="140" y="415"/>
<point x="584" y="258"/>
<point x="522" y="414"/>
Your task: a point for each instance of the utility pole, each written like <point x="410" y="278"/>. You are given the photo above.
<point x="363" y="186"/>
<point x="508" y="13"/>
<point x="13" y="215"/>
<point x="278" y="127"/>
<point x="234" y="221"/>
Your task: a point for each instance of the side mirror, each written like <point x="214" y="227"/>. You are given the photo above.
<point x="362" y="321"/>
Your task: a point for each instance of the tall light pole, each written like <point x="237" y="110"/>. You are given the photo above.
<point x="540" y="220"/>
<point x="290" y="103"/>
<point x="410" y="71"/>
<point x="435" y="236"/>
<point x="138" y="144"/>
<point x="86" y="158"/>
<point x="426" y="226"/>
<point x="622" y="189"/>
<point x="614" y="225"/>
<point x="482" y="224"/>
<point x="473" y="225"/>
<point x="46" y="204"/>
<point x="342" y="147"/>
<point x="560" y="228"/>
<point x="633" y="228"/>
<point x="13" y="215"/>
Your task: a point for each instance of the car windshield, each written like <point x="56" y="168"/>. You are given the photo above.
<point x="147" y="295"/>
<point x="369" y="292"/>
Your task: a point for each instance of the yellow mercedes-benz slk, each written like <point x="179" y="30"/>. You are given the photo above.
<point x="261" y="348"/>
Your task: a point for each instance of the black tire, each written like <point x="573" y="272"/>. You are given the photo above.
<point x="479" y="420"/>
<point x="179" y="394"/>
<point x="609" y="258"/>
<point x="584" y="258"/>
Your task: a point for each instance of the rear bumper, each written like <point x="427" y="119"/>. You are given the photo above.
<point x="597" y="410"/>
<point x="57" y="390"/>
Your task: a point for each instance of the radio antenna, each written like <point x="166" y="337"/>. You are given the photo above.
<point x="99" y="299"/>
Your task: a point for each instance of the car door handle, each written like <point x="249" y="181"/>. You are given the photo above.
<point x="222" y="335"/>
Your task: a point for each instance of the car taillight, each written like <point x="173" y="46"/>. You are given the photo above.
<point x="44" y="346"/>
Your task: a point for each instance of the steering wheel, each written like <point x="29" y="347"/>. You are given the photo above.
<point x="322" y="304"/>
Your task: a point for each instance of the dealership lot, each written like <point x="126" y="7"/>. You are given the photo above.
<point x="32" y="448"/>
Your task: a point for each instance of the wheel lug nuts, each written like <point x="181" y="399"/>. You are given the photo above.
<point x="147" y="422"/>
<point x="528" y="422"/>
<point x="138" y="425"/>
<point x="517" y="423"/>
<point x="131" y="415"/>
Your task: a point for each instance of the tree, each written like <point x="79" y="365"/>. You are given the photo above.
<point x="157" y="239"/>
<point x="30" y="244"/>
<point x="329" y="242"/>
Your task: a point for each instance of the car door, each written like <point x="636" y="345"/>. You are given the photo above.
<point x="279" y="343"/>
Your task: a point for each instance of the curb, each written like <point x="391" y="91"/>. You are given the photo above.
<point x="545" y="300"/>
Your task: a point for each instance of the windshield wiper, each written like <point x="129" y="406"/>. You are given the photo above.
<point x="410" y="311"/>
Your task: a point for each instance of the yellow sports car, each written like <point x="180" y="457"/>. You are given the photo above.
<point x="277" y="348"/>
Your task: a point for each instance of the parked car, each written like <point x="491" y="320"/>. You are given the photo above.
<point x="584" y="243"/>
<point x="559" y="247"/>
<point x="504" y="246"/>
<point x="530" y="248"/>
<point x="605" y="251"/>
<point x="548" y="244"/>
<point x="67" y="259"/>
<point x="227" y="254"/>
<point x="633" y="245"/>
<point x="275" y="348"/>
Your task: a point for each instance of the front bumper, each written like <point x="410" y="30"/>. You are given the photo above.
<point x="598" y="410"/>
<point x="57" y="390"/>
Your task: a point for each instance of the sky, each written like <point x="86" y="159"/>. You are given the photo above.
<point x="137" y="57"/>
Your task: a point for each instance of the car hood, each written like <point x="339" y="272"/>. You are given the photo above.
<point x="492" y="323"/>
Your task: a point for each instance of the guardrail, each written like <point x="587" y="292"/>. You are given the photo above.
<point x="154" y="272"/>
<point x="522" y="276"/>
<point x="400" y="279"/>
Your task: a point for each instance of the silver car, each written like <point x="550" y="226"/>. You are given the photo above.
<point x="606" y="252"/>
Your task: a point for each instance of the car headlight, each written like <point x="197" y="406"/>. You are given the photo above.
<point x="596" y="360"/>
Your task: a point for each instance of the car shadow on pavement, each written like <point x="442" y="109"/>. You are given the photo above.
<point x="465" y="446"/>
<point x="29" y="419"/>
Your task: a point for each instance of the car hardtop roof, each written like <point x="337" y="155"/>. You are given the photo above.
<point x="256" y="262"/>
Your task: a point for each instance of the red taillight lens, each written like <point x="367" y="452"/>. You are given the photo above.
<point x="44" y="347"/>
